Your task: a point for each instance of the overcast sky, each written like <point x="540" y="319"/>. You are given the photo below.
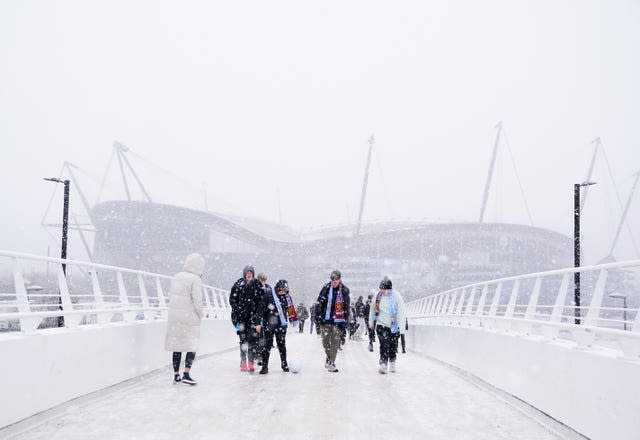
<point x="252" y="98"/>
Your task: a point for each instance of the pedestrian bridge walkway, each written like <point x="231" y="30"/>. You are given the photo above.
<point x="499" y="359"/>
<point x="423" y="399"/>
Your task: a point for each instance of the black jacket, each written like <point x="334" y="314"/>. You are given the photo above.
<point x="269" y="311"/>
<point x="244" y="300"/>
<point x="322" y="300"/>
<point x="360" y="310"/>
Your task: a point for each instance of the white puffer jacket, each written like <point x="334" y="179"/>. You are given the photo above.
<point x="185" y="306"/>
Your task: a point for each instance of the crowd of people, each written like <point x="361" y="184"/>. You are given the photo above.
<point x="261" y="313"/>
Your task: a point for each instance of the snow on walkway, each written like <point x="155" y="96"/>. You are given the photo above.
<point x="424" y="400"/>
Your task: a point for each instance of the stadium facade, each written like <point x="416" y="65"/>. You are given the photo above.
<point x="420" y="257"/>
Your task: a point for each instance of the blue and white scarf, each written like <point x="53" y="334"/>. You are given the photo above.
<point x="283" y="319"/>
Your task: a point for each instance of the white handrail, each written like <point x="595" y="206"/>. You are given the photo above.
<point x="540" y="304"/>
<point x="140" y="297"/>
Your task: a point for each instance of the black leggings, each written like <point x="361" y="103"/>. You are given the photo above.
<point x="188" y="361"/>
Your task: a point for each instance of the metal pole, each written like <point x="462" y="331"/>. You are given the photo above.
<point x="63" y="252"/>
<point x="624" y="312"/>
<point x="576" y="250"/>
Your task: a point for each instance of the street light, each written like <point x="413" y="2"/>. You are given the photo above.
<point x="624" y="306"/>
<point x="576" y="246"/>
<point x="65" y="229"/>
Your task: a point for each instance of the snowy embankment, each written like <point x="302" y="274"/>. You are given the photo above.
<point x="50" y="367"/>
<point x="593" y="391"/>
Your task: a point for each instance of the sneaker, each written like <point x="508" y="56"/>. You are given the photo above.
<point x="176" y="379"/>
<point x="188" y="379"/>
<point x="382" y="369"/>
<point x="392" y="367"/>
<point x="243" y="366"/>
<point x="251" y="368"/>
<point x="404" y="351"/>
<point x="332" y="368"/>
<point x="371" y="346"/>
<point x="264" y="370"/>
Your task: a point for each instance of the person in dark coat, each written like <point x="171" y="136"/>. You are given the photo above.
<point x="312" y="313"/>
<point x="370" y="331"/>
<point x="403" y="343"/>
<point x="275" y="319"/>
<point x="244" y="299"/>
<point x="314" y="318"/>
<point x="333" y="316"/>
<point x="303" y="315"/>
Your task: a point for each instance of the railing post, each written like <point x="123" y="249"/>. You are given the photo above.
<point x="143" y="297"/>
<point x="27" y="325"/>
<point x="452" y="305"/>
<point x="460" y="302"/>
<point x="495" y="302"/>
<point x="533" y="300"/>
<point x="593" y="314"/>
<point x="127" y="315"/>
<point x="551" y="331"/>
<point x="70" y="320"/>
<point x="103" y="318"/>
<point x="207" y="303"/>
<point x="472" y="296"/>
<point x="483" y="298"/>
<point x="162" y="304"/>
<point x="511" y="306"/>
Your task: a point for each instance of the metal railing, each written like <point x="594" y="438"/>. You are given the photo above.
<point x="542" y="305"/>
<point x="87" y="293"/>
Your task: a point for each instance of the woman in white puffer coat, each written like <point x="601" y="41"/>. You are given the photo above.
<point x="185" y="313"/>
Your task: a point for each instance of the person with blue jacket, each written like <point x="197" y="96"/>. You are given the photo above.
<point x="386" y="314"/>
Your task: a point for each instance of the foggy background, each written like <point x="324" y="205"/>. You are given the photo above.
<point x="256" y="98"/>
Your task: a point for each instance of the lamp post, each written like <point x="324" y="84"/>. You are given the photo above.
<point x="576" y="246"/>
<point x="624" y="306"/>
<point x="65" y="229"/>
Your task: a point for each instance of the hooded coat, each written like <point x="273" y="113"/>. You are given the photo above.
<point x="185" y="307"/>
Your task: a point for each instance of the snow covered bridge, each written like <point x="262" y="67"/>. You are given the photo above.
<point x="501" y="359"/>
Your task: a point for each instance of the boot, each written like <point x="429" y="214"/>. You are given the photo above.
<point x="284" y="366"/>
<point x="251" y="368"/>
<point x="382" y="369"/>
<point x="243" y="366"/>
<point x="392" y="366"/>
<point x="371" y="346"/>
<point x="264" y="370"/>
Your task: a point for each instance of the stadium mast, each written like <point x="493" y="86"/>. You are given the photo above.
<point x="364" y="185"/>
<point x="490" y="175"/>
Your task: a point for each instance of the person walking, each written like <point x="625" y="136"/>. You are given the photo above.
<point x="185" y="314"/>
<point x="332" y="316"/>
<point x="386" y="313"/>
<point x="403" y="343"/>
<point x="276" y="314"/>
<point x="360" y="318"/>
<point x="303" y="315"/>
<point x="371" y="331"/>
<point x="313" y="317"/>
<point x="244" y="299"/>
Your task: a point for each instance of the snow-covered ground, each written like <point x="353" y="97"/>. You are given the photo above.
<point x="424" y="399"/>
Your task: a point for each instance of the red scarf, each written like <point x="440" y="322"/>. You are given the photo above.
<point x="291" y="310"/>
<point x="338" y="312"/>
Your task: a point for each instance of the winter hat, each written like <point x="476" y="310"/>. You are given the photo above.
<point x="248" y="269"/>
<point x="282" y="285"/>
<point x="335" y="275"/>
<point x="385" y="283"/>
